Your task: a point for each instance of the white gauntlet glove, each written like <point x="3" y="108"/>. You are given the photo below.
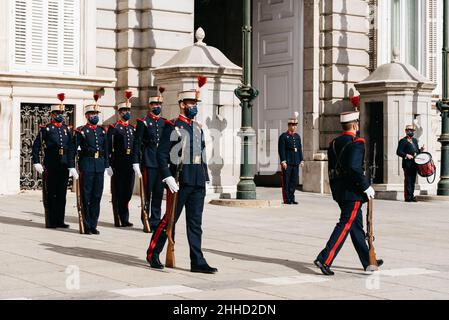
<point x="370" y="193"/>
<point x="109" y="172"/>
<point x="172" y="185"/>
<point x="136" y="168"/>
<point x="73" y="173"/>
<point x="39" y="168"/>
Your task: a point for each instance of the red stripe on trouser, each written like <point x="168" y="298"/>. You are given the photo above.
<point x="343" y="234"/>
<point x="284" y="196"/>
<point x="160" y="228"/>
<point x="145" y="181"/>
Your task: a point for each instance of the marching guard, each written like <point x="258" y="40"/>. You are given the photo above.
<point x="54" y="140"/>
<point x="291" y="156"/>
<point x="185" y="138"/>
<point x="146" y="142"/>
<point x="120" y="141"/>
<point x="91" y="146"/>
<point x="350" y="189"/>
<point x="408" y="148"/>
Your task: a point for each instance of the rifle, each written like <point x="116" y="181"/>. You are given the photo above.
<point x="117" y="221"/>
<point x="370" y="238"/>
<point x="170" y="257"/>
<point x="143" y="210"/>
<point x="44" y="183"/>
<point x="79" y="206"/>
<point x="79" y="201"/>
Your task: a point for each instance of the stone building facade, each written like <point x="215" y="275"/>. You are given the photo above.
<point x="308" y="56"/>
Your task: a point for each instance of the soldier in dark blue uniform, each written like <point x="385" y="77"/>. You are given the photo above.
<point x="185" y="139"/>
<point x="147" y="140"/>
<point x="91" y="145"/>
<point x="350" y="189"/>
<point x="408" y="148"/>
<point x="54" y="139"/>
<point x="120" y="141"/>
<point x="291" y="156"/>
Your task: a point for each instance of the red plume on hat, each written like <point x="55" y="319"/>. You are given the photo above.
<point x="202" y="80"/>
<point x="96" y="97"/>
<point x="128" y="96"/>
<point x="355" y="100"/>
<point x="61" y="97"/>
<point x="161" y="90"/>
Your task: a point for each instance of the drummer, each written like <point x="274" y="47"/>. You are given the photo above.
<point x="408" y="148"/>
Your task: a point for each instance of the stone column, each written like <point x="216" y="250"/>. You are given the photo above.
<point x="336" y="46"/>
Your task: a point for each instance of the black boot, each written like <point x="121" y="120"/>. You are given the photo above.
<point x="155" y="263"/>
<point x="205" y="268"/>
<point x="326" y="270"/>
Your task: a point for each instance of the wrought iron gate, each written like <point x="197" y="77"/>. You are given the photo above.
<point x="32" y="116"/>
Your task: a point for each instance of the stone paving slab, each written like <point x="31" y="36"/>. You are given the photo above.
<point x="261" y="254"/>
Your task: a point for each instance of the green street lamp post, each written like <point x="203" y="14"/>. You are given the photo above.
<point x="246" y="189"/>
<point x="443" y="106"/>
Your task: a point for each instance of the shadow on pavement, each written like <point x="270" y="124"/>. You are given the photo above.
<point x="301" y="267"/>
<point x="75" y="221"/>
<point x="21" y="222"/>
<point x="108" y="256"/>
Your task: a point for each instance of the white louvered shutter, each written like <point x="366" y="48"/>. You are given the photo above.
<point x="20" y="32"/>
<point x="46" y="36"/>
<point x="432" y="41"/>
<point x="70" y="34"/>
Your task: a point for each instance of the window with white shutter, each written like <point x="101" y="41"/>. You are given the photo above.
<point x="46" y="35"/>
<point x="433" y="52"/>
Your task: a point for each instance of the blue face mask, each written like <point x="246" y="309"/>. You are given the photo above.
<point x="157" y="111"/>
<point x="126" y="116"/>
<point x="191" y="112"/>
<point x="94" y="120"/>
<point x="59" y="118"/>
<point x="411" y="134"/>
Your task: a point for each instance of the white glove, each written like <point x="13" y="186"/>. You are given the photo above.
<point x="73" y="173"/>
<point x="136" y="168"/>
<point x="370" y="193"/>
<point x="109" y="172"/>
<point x="172" y="185"/>
<point x="39" y="168"/>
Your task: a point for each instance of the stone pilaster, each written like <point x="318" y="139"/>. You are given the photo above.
<point x="344" y="59"/>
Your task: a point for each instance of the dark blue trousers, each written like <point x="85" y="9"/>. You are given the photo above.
<point x="290" y="178"/>
<point x="351" y="222"/>
<point x="56" y="179"/>
<point x="192" y="198"/>
<point x="154" y="194"/>
<point x="91" y="184"/>
<point x="409" y="183"/>
<point x="122" y="185"/>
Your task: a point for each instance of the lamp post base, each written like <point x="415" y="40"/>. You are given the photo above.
<point x="246" y="189"/>
<point x="443" y="187"/>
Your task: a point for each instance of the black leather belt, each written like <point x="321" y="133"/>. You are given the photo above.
<point x="93" y="154"/>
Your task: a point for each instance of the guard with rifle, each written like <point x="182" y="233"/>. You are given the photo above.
<point x="350" y="189"/>
<point x="120" y="140"/>
<point x="182" y="154"/>
<point x="146" y="141"/>
<point x="90" y="145"/>
<point x="52" y="144"/>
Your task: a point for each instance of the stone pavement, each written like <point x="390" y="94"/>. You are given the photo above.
<point x="261" y="254"/>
